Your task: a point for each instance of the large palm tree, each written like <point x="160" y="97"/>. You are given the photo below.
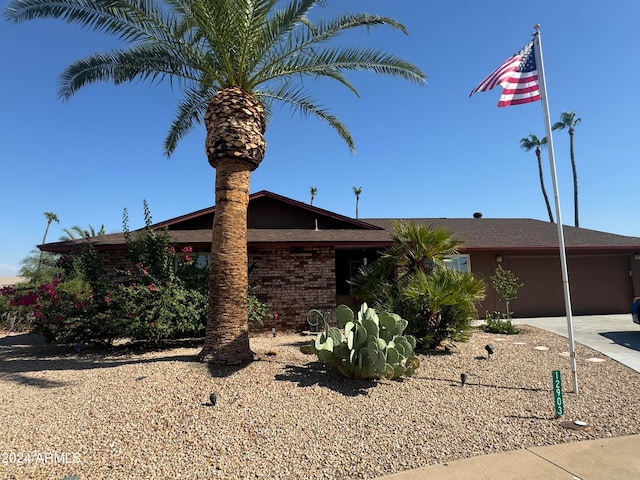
<point x="233" y="58"/>
<point x="528" y="144"/>
<point x="569" y="121"/>
<point x="314" y="192"/>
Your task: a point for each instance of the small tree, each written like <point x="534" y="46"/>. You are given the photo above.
<point x="506" y="285"/>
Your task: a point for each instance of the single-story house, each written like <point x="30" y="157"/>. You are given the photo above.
<point x="301" y="257"/>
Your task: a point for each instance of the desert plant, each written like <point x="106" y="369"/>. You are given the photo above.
<point x="372" y="345"/>
<point x="440" y="306"/>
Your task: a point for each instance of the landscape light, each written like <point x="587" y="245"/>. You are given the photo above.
<point x="489" y="349"/>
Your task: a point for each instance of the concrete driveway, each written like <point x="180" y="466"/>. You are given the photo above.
<point x="616" y="336"/>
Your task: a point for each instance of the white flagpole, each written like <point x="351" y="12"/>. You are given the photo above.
<point x="537" y="48"/>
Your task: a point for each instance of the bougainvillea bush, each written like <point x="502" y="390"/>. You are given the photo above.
<point x="164" y="296"/>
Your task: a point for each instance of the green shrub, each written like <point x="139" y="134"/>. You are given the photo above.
<point x="257" y="310"/>
<point x="411" y="279"/>
<point x="155" y="312"/>
<point x="499" y="323"/>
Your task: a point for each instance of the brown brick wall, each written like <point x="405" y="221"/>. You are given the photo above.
<point x="114" y="260"/>
<point x="293" y="280"/>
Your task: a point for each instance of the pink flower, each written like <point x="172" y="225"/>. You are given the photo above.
<point x="186" y="258"/>
<point x="276" y="315"/>
<point x="152" y="287"/>
<point x="30" y="298"/>
<point x="6" y="291"/>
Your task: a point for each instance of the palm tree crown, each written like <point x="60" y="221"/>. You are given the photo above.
<point x="77" y="232"/>
<point x="233" y="59"/>
<point x="211" y="45"/>
<point x="420" y="247"/>
<point x="530" y="143"/>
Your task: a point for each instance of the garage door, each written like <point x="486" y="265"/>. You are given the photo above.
<point x="598" y="284"/>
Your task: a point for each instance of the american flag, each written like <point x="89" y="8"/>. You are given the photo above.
<point x="518" y="77"/>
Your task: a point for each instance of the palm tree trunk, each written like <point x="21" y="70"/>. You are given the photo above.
<point x="357" y="201"/>
<point x="235" y="146"/>
<point x="44" y="239"/>
<point x="575" y="177"/>
<point x="227" y="331"/>
<point x="544" y="191"/>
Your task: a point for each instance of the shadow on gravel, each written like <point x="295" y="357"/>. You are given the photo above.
<point x="316" y="373"/>
<point x="630" y="339"/>
<point x="531" y="417"/>
<point x="223" y="371"/>
<point x="25" y="353"/>
<point x="472" y="384"/>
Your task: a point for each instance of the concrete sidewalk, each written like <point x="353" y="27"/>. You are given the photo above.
<point x="603" y="459"/>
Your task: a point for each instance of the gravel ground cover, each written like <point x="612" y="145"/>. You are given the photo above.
<point x="132" y="413"/>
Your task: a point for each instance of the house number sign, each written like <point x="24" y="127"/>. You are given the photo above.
<point x="557" y="393"/>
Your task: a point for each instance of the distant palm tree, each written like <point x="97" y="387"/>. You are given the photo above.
<point x="357" y="191"/>
<point x="569" y="121"/>
<point x="51" y="217"/>
<point x="76" y="232"/>
<point x="314" y="192"/>
<point x="529" y="144"/>
<point x="233" y="60"/>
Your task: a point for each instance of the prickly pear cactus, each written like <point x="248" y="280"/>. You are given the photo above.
<point x="372" y="345"/>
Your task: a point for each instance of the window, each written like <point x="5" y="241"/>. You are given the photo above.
<point x="458" y="263"/>
<point x="202" y="260"/>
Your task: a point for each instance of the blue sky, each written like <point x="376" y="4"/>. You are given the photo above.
<point x="422" y="151"/>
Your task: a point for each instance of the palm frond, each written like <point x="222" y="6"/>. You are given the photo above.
<point x="299" y="101"/>
<point x="302" y="44"/>
<point x="191" y="112"/>
<point x="142" y="62"/>
<point x="127" y="20"/>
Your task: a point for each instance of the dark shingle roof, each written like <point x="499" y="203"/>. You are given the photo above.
<point x="492" y="233"/>
<point x="474" y="233"/>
